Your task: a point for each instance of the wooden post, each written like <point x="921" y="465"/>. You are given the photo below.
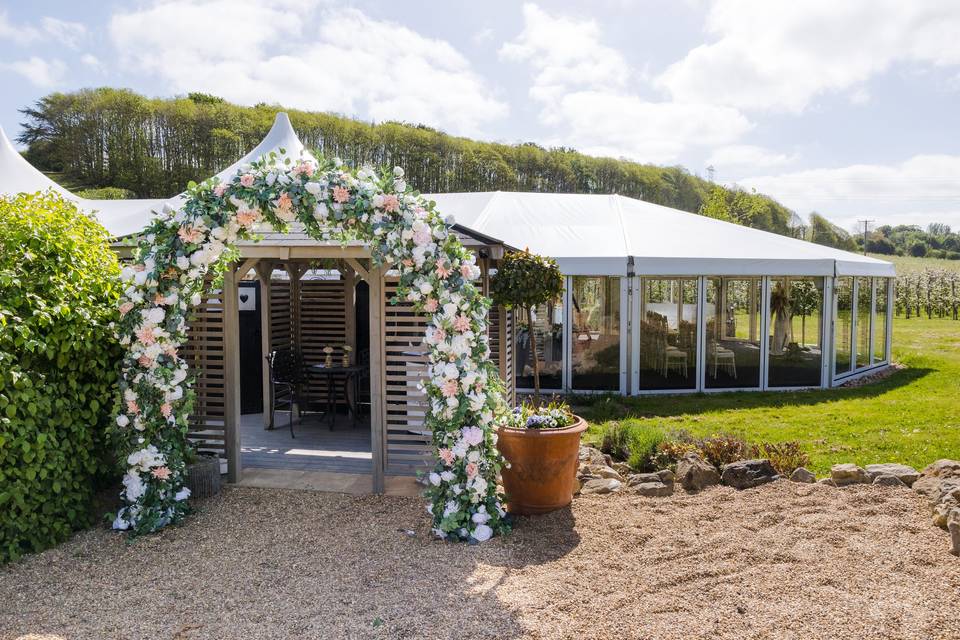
<point x="377" y="378"/>
<point x="264" y="274"/>
<point x="349" y="307"/>
<point x="294" y="270"/>
<point x="231" y="373"/>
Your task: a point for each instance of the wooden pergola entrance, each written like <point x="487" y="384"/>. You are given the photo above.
<point x="308" y="314"/>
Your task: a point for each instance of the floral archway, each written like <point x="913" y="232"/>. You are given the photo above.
<point x="180" y="249"/>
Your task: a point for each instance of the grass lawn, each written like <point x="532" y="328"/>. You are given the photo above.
<point x="912" y="417"/>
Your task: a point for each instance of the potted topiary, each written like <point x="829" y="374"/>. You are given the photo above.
<point x="541" y="443"/>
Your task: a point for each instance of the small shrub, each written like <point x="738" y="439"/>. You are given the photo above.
<point x="635" y="444"/>
<point x="669" y="452"/>
<point x="723" y="449"/>
<point x="786" y="457"/>
<point x="106" y="193"/>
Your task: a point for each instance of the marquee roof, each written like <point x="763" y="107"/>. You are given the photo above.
<point x="615" y="235"/>
<point x="587" y="234"/>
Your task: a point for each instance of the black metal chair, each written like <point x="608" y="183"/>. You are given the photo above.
<point x="286" y="378"/>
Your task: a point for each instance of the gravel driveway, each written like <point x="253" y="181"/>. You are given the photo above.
<point x="780" y="561"/>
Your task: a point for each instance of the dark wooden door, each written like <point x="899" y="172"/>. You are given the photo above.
<point x="251" y="354"/>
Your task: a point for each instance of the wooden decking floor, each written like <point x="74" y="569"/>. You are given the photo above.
<point x="345" y="449"/>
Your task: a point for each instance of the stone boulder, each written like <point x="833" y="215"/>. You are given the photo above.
<point x="829" y="482"/>
<point x="592" y="456"/>
<point x="906" y="475"/>
<point x="800" y="474"/>
<point x="695" y="474"/>
<point x="938" y="479"/>
<point x="588" y="472"/>
<point x="666" y="475"/>
<point x="601" y="486"/>
<point x="622" y="468"/>
<point x="888" y="480"/>
<point x="746" y="474"/>
<point x="848" y="473"/>
<point x="640" y="478"/>
<point x="652" y="489"/>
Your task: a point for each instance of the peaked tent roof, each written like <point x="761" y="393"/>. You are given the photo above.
<point x="601" y="234"/>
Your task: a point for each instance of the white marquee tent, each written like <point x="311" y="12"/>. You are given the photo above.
<point x="706" y="290"/>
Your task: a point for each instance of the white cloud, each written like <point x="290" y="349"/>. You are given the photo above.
<point x="781" y="55"/>
<point x="68" y="33"/>
<point x="922" y="189"/>
<point x="588" y="94"/>
<point x="92" y="61"/>
<point x="337" y="60"/>
<point x="483" y="36"/>
<point x="39" y="71"/>
<point x="738" y="159"/>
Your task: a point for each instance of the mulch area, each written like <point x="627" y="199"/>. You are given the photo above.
<point x="780" y="561"/>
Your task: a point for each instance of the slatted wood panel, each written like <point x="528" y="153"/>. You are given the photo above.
<point x="281" y="325"/>
<point x="322" y="323"/>
<point x="204" y="353"/>
<point x="407" y="442"/>
<point x="502" y="336"/>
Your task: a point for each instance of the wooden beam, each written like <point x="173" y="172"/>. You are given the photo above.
<point x="295" y="270"/>
<point x="231" y="374"/>
<point x="358" y="268"/>
<point x="378" y="420"/>
<point x="246" y="266"/>
<point x="264" y="274"/>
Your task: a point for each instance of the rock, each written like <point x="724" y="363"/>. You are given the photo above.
<point x="694" y="474"/>
<point x="943" y="468"/>
<point x="827" y="481"/>
<point x="848" y="473"/>
<point x="801" y="474"/>
<point x="745" y="474"/>
<point x="593" y="457"/>
<point x="943" y="508"/>
<point x="653" y="489"/>
<point x="640" y="478"/>
<point x="935" y="488"/>
<point x="666" y="476"/>
<point x="588" y="471"/>
<point x="906" y="475"/>
<point x="953" y="525"/>
<point x="888" y="480"/>
<point x="601" y="486"/>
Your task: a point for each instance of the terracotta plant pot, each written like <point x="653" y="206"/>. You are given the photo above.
<point x="543" y="467"/>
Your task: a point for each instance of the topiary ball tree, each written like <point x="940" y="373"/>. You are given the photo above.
<point x="59" y="357"/>
<point x="525" y="280"/>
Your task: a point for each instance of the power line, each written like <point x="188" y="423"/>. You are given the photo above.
<point x="866" y="228"/>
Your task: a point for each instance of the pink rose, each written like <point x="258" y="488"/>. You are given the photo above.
<point x="133" y="407"/>
<point x="145" y="361"/>
<point x="449" y="388"/>
<point x="461" y="323"/>
<point x="126" y="308"/>
<point x="220" y="189"/>
<point x="161" y="473"/>
<point x="446" y="455"/>
<point x="391" y="203"/>
<point x="190" y="235"/>
<point x="471" y="470"/>
<point x="246" y="218"/>
<point x="247" y="179"/>
<point x="466" y="271"/>
<point x="166" y="409"/>
<point x="340" y="194"/>
<point x="430" y="305"/>
<point x="304" y="168"/>
<point x="145" y="335"/>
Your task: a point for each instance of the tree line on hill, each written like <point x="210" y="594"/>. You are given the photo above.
<point x="117" y="143"/>
<point x="938" y="240"/>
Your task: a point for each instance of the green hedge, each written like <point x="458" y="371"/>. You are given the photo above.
<point x="58" y="366"/>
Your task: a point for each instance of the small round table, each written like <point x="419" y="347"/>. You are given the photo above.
<point x="351" y="377"/>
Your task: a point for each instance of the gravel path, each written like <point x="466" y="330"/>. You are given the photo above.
<point x="781" y="561"/>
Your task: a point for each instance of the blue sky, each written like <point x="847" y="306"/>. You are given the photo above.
<point x="848" y="108"/>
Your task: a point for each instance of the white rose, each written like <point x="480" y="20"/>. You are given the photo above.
<point x="122" y="420"/>
<point x="482" y="533"/>
<point x="183" y="263"/>
<point x="435" y="479"/>
<point x="313" y="188"/>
